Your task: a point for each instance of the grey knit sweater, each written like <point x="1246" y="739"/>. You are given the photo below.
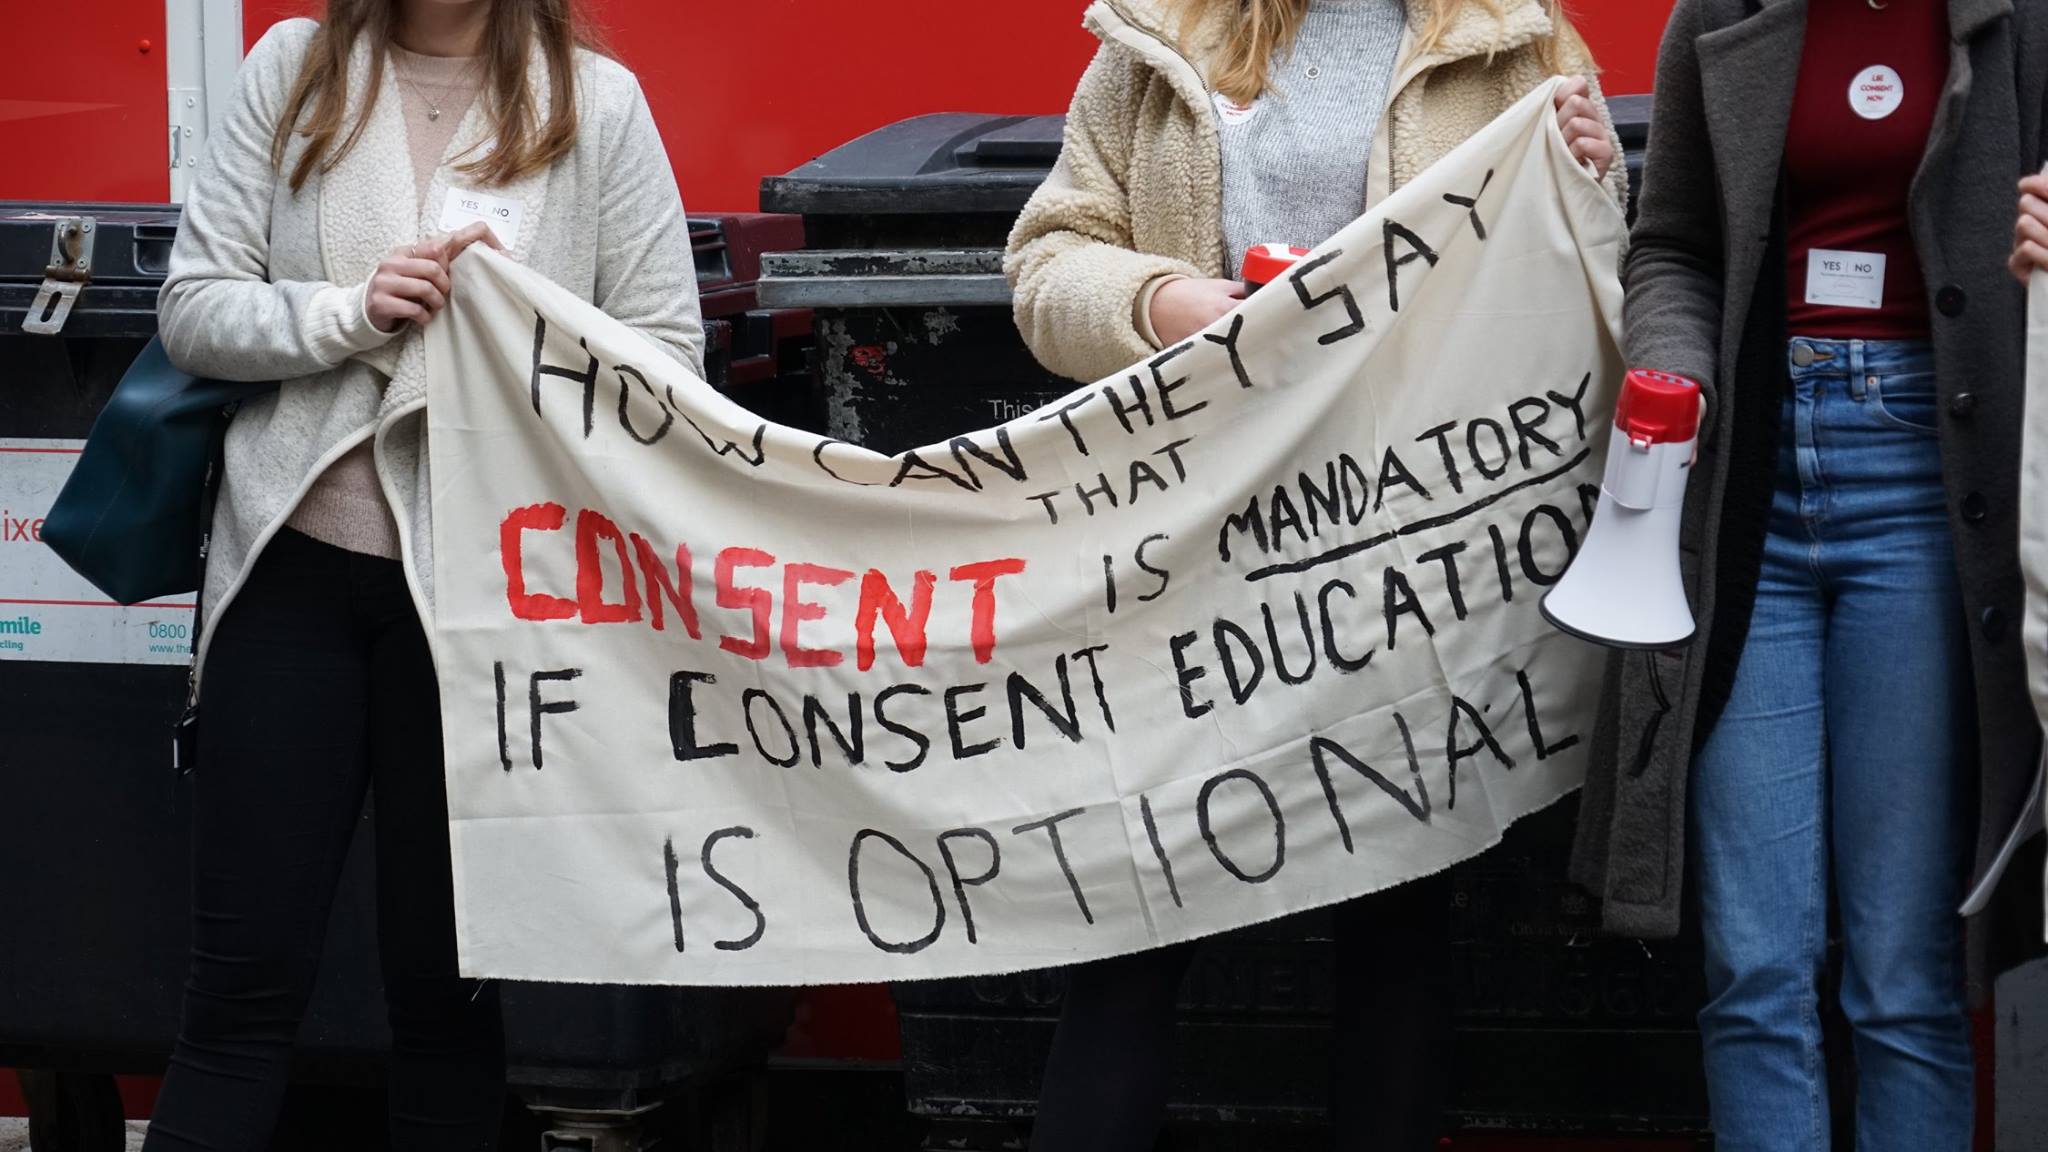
<point x="1294" y="162"/>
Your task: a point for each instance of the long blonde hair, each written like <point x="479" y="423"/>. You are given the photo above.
<point x="1265" y="27"/>
<point x="528" y="138"/>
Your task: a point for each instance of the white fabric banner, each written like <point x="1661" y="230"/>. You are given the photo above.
<point x="2033" y="563"/>
<point x="1248" y="629"/>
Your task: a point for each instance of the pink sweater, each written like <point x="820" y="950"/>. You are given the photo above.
<point x="346" y="506"/>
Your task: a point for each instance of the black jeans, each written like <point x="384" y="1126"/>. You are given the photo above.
<point x="1106" y="1084"/>
<point x="318" y="686"/>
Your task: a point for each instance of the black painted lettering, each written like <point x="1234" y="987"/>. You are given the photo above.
<point x="1051" y="827"/>
<point x="682" y="719"/>
<point x="1299" y="278"/>
<point x="539" y="708"/>
<point x="1527" y="545"/>
<point x="1088" y="655"/>
<point x="860" y="910"/>
<point x="586" y="376"/>
<point x="1500" y="439"/>
<point x="1442" y="435"/>
<point x="1229" y="342"/>
<point x="1279" y="649"/>
<point x="1158" y="848"/>
<point x="1447" y="555"/>
<point x="1528" y="415"/>
<point x="1139" y="406"/>
<point x="1471" y="204"/>
<point x="1417" y="250"/>
<point x="1576" y="402"/>
<point x="795" y="753"/>
<point x="746" y="899"/>
<point x="668" y="419"/>
<point x="1166" y="388"/>
<point x="1543" y="751"/>
<point x="965" y="451"/>
<point x="1338" y="660"/>
<point x="851" y="745"/>
<point x="1251" y="521"/>
<point x="1241" y="688"/>
<point x="957" y="721"/>
<point x="1185" y="677"/>
<point x="1065" y="415"/>
<point x="962" y="883"/>
<point x="1400" y="600"/>
<point x="1067" y="723"/>
<point x="918" y="739"/>
<point x="504" y="748"/>
<point x="1203" y="804"/>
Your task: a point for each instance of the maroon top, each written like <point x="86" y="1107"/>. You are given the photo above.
<point x="1869" y="83"/>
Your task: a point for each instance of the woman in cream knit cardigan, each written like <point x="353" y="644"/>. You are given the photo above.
<point x="309" y="254"/>
<point x="1204" y="127"/>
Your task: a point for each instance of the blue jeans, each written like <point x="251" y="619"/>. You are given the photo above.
<point x="1841" y="755"/>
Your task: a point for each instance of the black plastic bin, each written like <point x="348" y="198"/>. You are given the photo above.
<point x="1559" y="1029"/>
<point x="903" y="269"/>
<point x="94" y="826"/>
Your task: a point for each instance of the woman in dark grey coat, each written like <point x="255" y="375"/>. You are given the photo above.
<point x="1825" y="222"/>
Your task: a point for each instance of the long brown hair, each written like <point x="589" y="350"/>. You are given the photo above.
<point x="526" y="142"/>
<point x="1265" y="27"/>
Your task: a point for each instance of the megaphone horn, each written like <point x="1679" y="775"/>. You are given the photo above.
<point x="1625" y="589"/>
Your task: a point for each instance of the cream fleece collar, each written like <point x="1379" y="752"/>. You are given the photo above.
<point x="1475" y="32"/>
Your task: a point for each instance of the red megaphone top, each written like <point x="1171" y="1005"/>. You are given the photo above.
<point x="1657" y="408"/>
<point x="1265" y="263"/>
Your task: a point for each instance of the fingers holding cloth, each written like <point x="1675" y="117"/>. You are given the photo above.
<point x="2030" y="235"/>
<point x="412" y="283"/>
<point x="1585" y="132"/>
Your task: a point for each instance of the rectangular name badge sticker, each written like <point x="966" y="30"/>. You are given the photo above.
<point x="464" y="207"/>
<point x="1845" y="279"/>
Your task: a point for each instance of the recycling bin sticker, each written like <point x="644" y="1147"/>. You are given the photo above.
<point x="49" y="613"/>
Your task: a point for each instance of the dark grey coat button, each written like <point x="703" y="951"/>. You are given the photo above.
<point x="1951" y="301"/>
<point x="1975" y="507"/>
<point x="1992" y="620"/>
<point x="1962" y="404"/>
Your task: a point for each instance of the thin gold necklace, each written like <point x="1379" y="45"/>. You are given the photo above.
<point x="434" y="106"/>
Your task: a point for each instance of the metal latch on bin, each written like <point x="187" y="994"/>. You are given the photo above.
<point x="67" y="274"/>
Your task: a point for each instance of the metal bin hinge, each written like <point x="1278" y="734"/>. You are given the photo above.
<point x="69" y="271"/>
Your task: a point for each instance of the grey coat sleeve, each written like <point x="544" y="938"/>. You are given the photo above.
<point x="1677" y="257"/>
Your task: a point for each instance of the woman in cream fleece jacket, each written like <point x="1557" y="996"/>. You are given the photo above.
<point x="309" y="254"/>
<point x="1201" y="128"/>
<point x="1137" y="195"/>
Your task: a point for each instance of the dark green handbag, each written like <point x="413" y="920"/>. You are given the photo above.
<point x="134" y="515"/>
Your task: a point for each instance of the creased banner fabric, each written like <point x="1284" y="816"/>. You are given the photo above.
<point x="1247" y="629"/>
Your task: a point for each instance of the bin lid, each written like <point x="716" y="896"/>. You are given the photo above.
<point x="1631" y="119"/>
<point x="947" y="162"/>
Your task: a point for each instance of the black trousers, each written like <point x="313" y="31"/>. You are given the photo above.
<point x="318" y="687"/>
<point x="1107" y="1082"/>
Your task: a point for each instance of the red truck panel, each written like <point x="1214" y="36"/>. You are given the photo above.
<point x="82" y="113"/>
<point x="746" y="90"/>
<point x="740" y="90"/>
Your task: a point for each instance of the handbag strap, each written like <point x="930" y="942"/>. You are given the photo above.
<point x="184" y="736"/>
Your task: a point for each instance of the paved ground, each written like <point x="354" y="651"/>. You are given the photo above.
<point x="14" y="1136"/>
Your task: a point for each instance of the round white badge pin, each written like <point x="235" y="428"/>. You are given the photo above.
<point x="1877" y="92"/>
<point x="1231" y="112"/>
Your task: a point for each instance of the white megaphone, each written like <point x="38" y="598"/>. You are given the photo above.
<point x="1624" y="588"/>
